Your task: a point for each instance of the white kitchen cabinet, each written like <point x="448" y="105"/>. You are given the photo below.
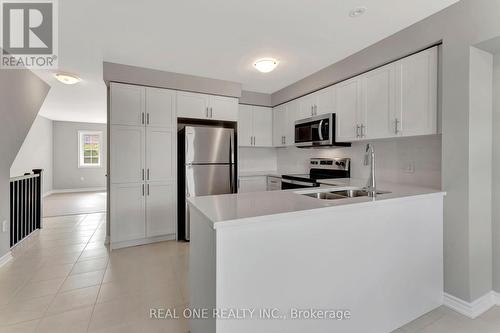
<point x="284" y="117"/>
<point x="203" y="106"/>
<point x="378" y="104"/>
<point x="127" y="210"/>
<point x="223" y="108"/>
<point x="317" y="103"/>
<point x="161" y="208"/>
<point x="160" y="107"/>
<point x="348" y="110"/>
<point x="416" y="94"/>
<point x="255" y="126"/>
<point x="127" y="104"/>
<point x="160" y="147"/>
<point x="252" y="184"/>
<point x="127" y="154"/>
<point x="143" y="192"/>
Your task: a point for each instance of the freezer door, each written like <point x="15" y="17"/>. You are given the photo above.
<point x="209" y="179"/>
<point x="209" y="145"/>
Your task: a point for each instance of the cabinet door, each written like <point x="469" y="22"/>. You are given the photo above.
<point x="252" y="184"/>
<point x="245" y="126"/>
<point x="160" y="152"/>
<point x="291" y="115"/>
<point x="379" y="102"/>
<point x="417" y="98"/>
<point x="160" y="107"/>
<point x="273" y="183"/>
<point x="325" y="101"/>
<point x="306" y="106"/>
<point x="347" y="110"/>
<point x="161" y="207"/>
<point x="279" y="125"/>
<point x="127" y="151"/>
<point x="127" y="104"/>
<point x="262" y="126"/>
<point x="192" y="105"/>
<point x="127" y="207"/>
<point x="224" y="108"/>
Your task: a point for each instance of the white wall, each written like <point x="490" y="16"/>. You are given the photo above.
<point x="257" y="159"/>
<point x="36" y="152"/>
<point x="496" y="173"/>
<point x="67" y="174"/>
<point x="393" y="160"/>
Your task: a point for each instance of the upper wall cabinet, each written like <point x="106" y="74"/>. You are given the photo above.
<point x="416" y="94"/>
<point x="160" y="107"/>
<point x="284" y="117"/>
<point x="348" y="110"/>
<point x="127" y="104"/>
<point x="255" y="126"/>
<point x="202" y="106"/>
<point x="320" y="102"/>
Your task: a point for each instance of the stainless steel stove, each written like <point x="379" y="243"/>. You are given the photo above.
<point x="321" y="168"/>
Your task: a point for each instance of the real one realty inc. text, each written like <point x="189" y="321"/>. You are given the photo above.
<point x="250" y="313"/>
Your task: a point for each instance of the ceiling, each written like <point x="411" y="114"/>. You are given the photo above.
<point x="217" y="39"/>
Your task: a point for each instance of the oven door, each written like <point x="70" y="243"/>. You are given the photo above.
<point x="289" y="184"/>
<point x="315" y="131"/>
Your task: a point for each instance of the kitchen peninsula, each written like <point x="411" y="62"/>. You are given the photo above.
<point x="380" y="259"/>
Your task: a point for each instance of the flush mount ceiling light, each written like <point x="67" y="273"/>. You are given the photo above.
<point x="358" y="11"/>
<point x="67" y="78"/>
<point x="265" y="65"/>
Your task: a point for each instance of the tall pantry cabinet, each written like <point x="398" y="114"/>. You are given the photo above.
<point x="143" y="149"/>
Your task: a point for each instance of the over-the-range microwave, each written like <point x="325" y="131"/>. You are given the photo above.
<point x="317" y="131"/>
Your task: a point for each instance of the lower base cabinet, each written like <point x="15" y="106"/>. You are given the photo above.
<point x="142" y="213"/>
<point x="252" y="184"/>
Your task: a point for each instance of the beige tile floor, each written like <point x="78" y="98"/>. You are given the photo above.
<point x="65" y="280"/>
<point x="59" y="204"/>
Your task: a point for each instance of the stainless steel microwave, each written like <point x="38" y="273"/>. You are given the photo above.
<point x="317" y="131"/>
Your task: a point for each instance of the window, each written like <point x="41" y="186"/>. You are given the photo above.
<point x="89" y="148"/>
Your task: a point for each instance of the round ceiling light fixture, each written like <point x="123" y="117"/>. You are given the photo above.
<point x="358" y="11"/>
<point x="67" y="78"/>
<point x="265" y="65"/>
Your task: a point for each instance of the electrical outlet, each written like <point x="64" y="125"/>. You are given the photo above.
<point x="4" y="226"/>
<point x="410" y="167"/>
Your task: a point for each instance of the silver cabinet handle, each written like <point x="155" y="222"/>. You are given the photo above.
<point x="206" y="111"/>
<point x="143" y="174"/>
<point x="363" y="130"/>
<point x="148" y="189"/>
<point x="312" y="110"/>
<point x="211" y="112"/>
<point x="147" y="118"/>
<point x="357" y="131"/>
<point x="396" y="127"/>
<point x="147" y="177"/>
<point x="142" y="118"/>
<point x="142" y="189"/>
<point x="315" y="110"/>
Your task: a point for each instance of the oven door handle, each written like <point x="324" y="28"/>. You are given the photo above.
<point x="298" y="183"/>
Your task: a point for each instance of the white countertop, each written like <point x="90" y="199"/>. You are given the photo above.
<point x="272" y="173"/>
<point x="221" y="209"/>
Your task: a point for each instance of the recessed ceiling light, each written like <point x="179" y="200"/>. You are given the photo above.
<point x="265" y="65"/>
<point x="358" y="11"/>
<point x="67" y="78"/>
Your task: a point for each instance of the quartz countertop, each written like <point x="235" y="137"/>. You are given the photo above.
<point x="222" y="209"/>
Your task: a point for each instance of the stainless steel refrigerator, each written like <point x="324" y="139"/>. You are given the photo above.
<point x="207" y="166"/>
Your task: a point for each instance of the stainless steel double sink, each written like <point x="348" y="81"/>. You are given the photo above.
<point x="342" y="194"/>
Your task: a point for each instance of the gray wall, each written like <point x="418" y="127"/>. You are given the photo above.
<point x="255" y="98"/>
<point x="21" y="96"/>
<point x="36" y="152"/>
<point x="496" y="173"/>
<point x="459" y="27"/>
<point x="67" y="174"/>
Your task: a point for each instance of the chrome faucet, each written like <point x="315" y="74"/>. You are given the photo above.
<point x="371" y="186"/>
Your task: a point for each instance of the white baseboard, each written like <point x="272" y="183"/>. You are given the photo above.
<point x="472" y="309"/>
<point x="72" y="190"/>
<point x="142" y="241"/>
<point x="5" y="258"/>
